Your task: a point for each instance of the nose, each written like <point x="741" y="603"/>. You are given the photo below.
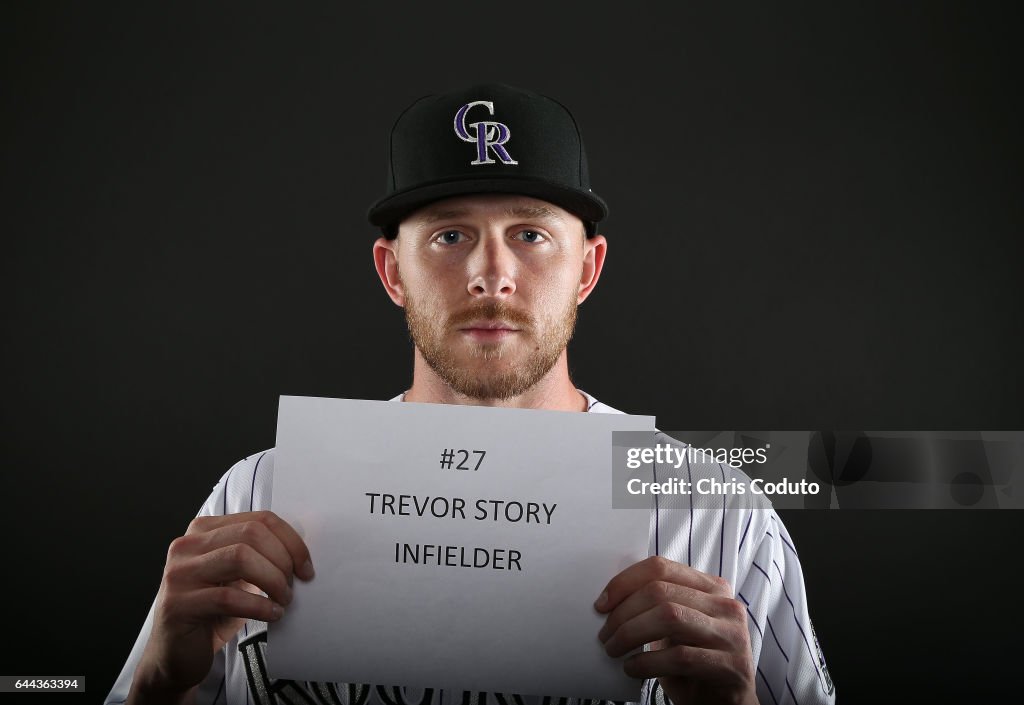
<point x="492" y="269"/>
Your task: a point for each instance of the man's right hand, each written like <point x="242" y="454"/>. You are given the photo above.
<point x="212" y="583"/>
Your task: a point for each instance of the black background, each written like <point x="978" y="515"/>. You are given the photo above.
<point x="815" y="222"/>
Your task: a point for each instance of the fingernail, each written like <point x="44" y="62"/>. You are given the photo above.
<point x="276" y="610"/>
<point x="602" y="600"/>
<point x="307" y="571"/>
<point x="603" y="634"/>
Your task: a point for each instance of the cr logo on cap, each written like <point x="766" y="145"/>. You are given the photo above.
<point x="488" y="135"/>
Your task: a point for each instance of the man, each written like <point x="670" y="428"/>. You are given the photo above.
<point x="490" y="244"/>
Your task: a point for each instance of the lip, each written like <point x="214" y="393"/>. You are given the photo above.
<point x="488" y="331"/>
<point x="489" y="326"/>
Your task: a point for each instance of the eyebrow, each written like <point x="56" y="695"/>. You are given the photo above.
<point x="448" y="214"/>
<point x="525" y="212"/>
<point x="532" y="212"/>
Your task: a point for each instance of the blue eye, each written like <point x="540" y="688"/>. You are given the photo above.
<point x="531" y="236"/>
<point x="449" y="237"/>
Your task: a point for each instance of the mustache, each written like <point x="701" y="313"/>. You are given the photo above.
<point x="492" y="310"/>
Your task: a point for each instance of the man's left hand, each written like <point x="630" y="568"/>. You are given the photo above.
<point x="696" y="628"/>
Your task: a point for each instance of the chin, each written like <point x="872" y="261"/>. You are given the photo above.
<point x="487" y="353"/>
<point x="490" y="362"/>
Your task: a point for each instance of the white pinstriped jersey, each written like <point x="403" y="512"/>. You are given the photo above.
<point x="715" y="534"/>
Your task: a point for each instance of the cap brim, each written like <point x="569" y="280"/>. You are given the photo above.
<point x="390" y="211"/>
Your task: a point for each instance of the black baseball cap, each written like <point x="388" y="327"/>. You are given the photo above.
<point x="489" y="138"/>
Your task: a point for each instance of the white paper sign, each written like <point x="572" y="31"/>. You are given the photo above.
<point x="455" y="546"/>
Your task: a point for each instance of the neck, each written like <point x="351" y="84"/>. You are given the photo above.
<point x="554" y="392"/>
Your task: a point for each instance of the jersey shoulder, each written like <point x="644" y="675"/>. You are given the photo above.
<point x="247" y="486"/>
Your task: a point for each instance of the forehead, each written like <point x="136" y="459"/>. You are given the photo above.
<point x="492" y="207"/>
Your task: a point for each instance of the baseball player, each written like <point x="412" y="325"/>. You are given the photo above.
<point x="489" y="243"/>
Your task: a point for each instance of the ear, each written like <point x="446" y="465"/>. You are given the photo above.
<point x="594" y="250"/>
<point x="385" y="259"/>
